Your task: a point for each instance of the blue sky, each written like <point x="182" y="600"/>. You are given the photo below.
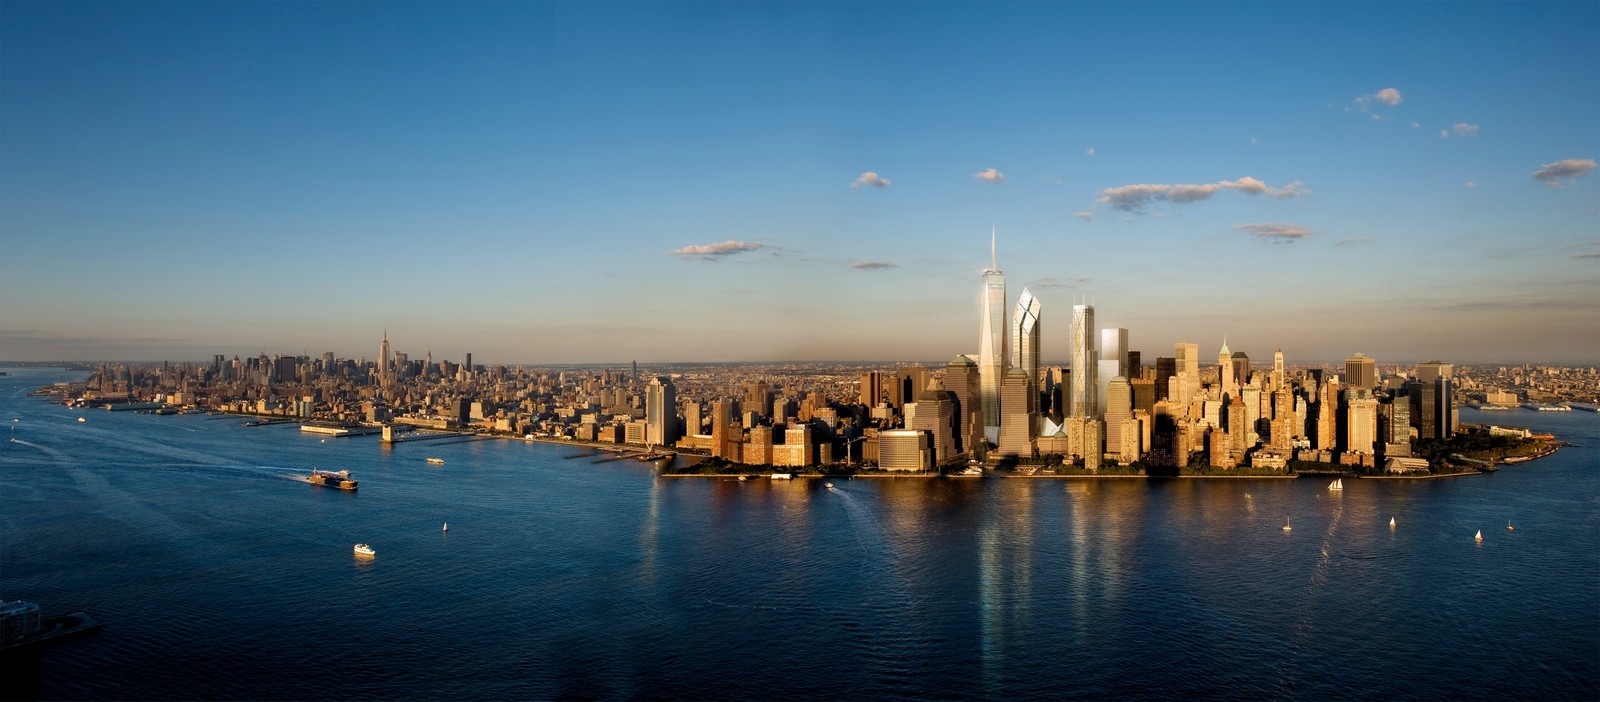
<point x="513" y="179"/>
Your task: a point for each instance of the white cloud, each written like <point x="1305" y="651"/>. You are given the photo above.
<point x="1416" y="125"/>
<point x="1090" y="151"/>
<point x="1134" y="198"/>
<point x="1472" y="184"/>
<point x="1387" y="96"/>
<point x="1085" y="215"/>
<point x="1462" y="129"/>
<point x="990" y="174"/>
<point x="1352" y="240"/>
<point x="870" y="178"/>
<point x="1553" y="173"/>
<point x="1275" y="233"/>
<point x="1444" y="134"/>
<point x="871" y="265"/>
<point x="1377" y="117"/>
<point x="1252" y="140"/>
<point x="711" y="252"/>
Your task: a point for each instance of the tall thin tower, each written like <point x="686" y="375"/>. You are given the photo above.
<point x="1085" y="391"/>
<point x="1025" y="335"/>
<point x="992" y="352"/>
<point x="383" y="355"/>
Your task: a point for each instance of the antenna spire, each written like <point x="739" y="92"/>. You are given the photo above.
<point x="993" y="262"/>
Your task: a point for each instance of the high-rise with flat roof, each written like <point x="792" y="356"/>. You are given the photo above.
<point x="661" y="412"/>
<point x="1084" y="361"/>
<point x="1360" y="371"/>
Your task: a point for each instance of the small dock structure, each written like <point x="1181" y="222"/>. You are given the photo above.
<point x="338" y="429"/>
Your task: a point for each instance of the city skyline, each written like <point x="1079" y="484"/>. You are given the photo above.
<point x="566" y="184"/>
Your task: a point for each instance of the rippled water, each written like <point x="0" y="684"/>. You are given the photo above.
<point x="565" y="575"/>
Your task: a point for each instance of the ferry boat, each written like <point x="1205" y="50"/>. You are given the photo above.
<point x="330" y="478"/>
<point x="365" y="550"/>
<point x="436" y="461"/>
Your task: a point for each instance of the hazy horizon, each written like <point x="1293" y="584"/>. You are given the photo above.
<point x="548" y="183"/>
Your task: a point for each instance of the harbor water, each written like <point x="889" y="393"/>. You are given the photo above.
<point x="218" y="573"/>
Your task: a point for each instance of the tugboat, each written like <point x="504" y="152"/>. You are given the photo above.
<point x="329" y="478"/>
<point x="365" y="550"/>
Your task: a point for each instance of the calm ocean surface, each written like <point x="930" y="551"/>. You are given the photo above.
<point x="563" y="575"/>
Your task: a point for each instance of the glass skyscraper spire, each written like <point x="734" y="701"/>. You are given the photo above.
<point x="992" y="351"/>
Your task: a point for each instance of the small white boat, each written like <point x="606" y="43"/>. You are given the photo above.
<point x="446" y="527"/>
<point x="1391" y="522"/>
<point x="81" y="419"/>
<point x="436" y="461"/>
<point x="1509" y="527"/>
<point x="365" y="550"/>
<point x="828" y="485"/>
<point x="1479" y="537"/>
<point x="743" y="478"/>
<point x="1286" y="526"/>
<point x="1337" y="484"/>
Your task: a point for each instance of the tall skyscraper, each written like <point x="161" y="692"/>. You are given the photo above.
<point x="1360" y="372"/>
<point x="1017" y="426"/>
<point x="1113" y="362"/>
<point x="383" y="355"/>
<point x="1241" y="368"/>
<point x="661" y="413"/>
<point x="936" y="416"/>
<point x="1084" y="388"/>
<point x="1189" y="364"/>
<point x="1430" y="371"/>
<point x="1225" y="380"/>
<point x="1025" y="336"/>
<point x="1277" y="369"/>
<point x="992" y="344"/>
<point x="961" y="379"/>
<point x="1119" y="408"/>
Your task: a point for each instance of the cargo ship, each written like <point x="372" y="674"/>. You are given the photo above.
<point x="330" y="478"/>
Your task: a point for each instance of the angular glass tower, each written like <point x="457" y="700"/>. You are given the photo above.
<point x="1085" y="391"/>
<point x="992" y="352"/>
<point x="1025" y="336"/>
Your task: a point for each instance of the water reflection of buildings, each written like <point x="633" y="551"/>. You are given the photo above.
<point x="1005" y="571"/>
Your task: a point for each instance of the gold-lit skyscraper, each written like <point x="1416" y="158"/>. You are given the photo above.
<point x="1360" y="372"/>
<point x="1085" y="391"/>
<point x="992" y="352"/>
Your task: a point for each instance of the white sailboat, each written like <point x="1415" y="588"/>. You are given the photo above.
<point x="1286" y="526"/>
<point x="446" y="526"/>
<point x="1337" y="484"/>
<point x="1509" y="527"/>
<point x="1479" y="537"/>
<point x="1391" y="522"/>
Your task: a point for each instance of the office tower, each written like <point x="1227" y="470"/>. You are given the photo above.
<point x="1025" y="336"/>
<point x="721" y="425"/>
<point x="961" y="379"/>
<point x="911" y="381"/>
<point x="1251" y="394"/>
<point x="871" y="388"/>
<point x="1241" y="369"/>
<point x="1327" y="415"/>
<point x="693" y="417"/>
<point x="936" y="416"/>
<point x="904" y="449"/>
<point x="758" y="397"/>
<point x="633" y="373"/>
<point x="1084" y="388"/>
<point x="1277" y="369"/>
<point x="1144" y="394"/>
<point x="1016" y="422"/>
<point x="1163" y="438"/>
<point x="992" y="344"/>
<point x="466" y="365"/>
<point x="1134" y="366"/>
<point x="1188" y="361"/>
<point x="1238" y="431"/>
<point x="1113" y="361"/>
<point x="1429" y="371"/>
<point x="1360" y="372"/>
<point x="1165" y="368"/>
<point x="1361" y="420"/>
<point x="1056" y="392"/>
<point x="1226" y="383"/>
<point x="1119" y="408"/>
<point x="782" y="408"/>
<point x="383" y="355"/>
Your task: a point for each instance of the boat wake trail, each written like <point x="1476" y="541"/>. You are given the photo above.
<point x="1309" y="599"/>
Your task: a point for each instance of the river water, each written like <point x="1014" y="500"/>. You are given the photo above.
<point x="566" y="575"/>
